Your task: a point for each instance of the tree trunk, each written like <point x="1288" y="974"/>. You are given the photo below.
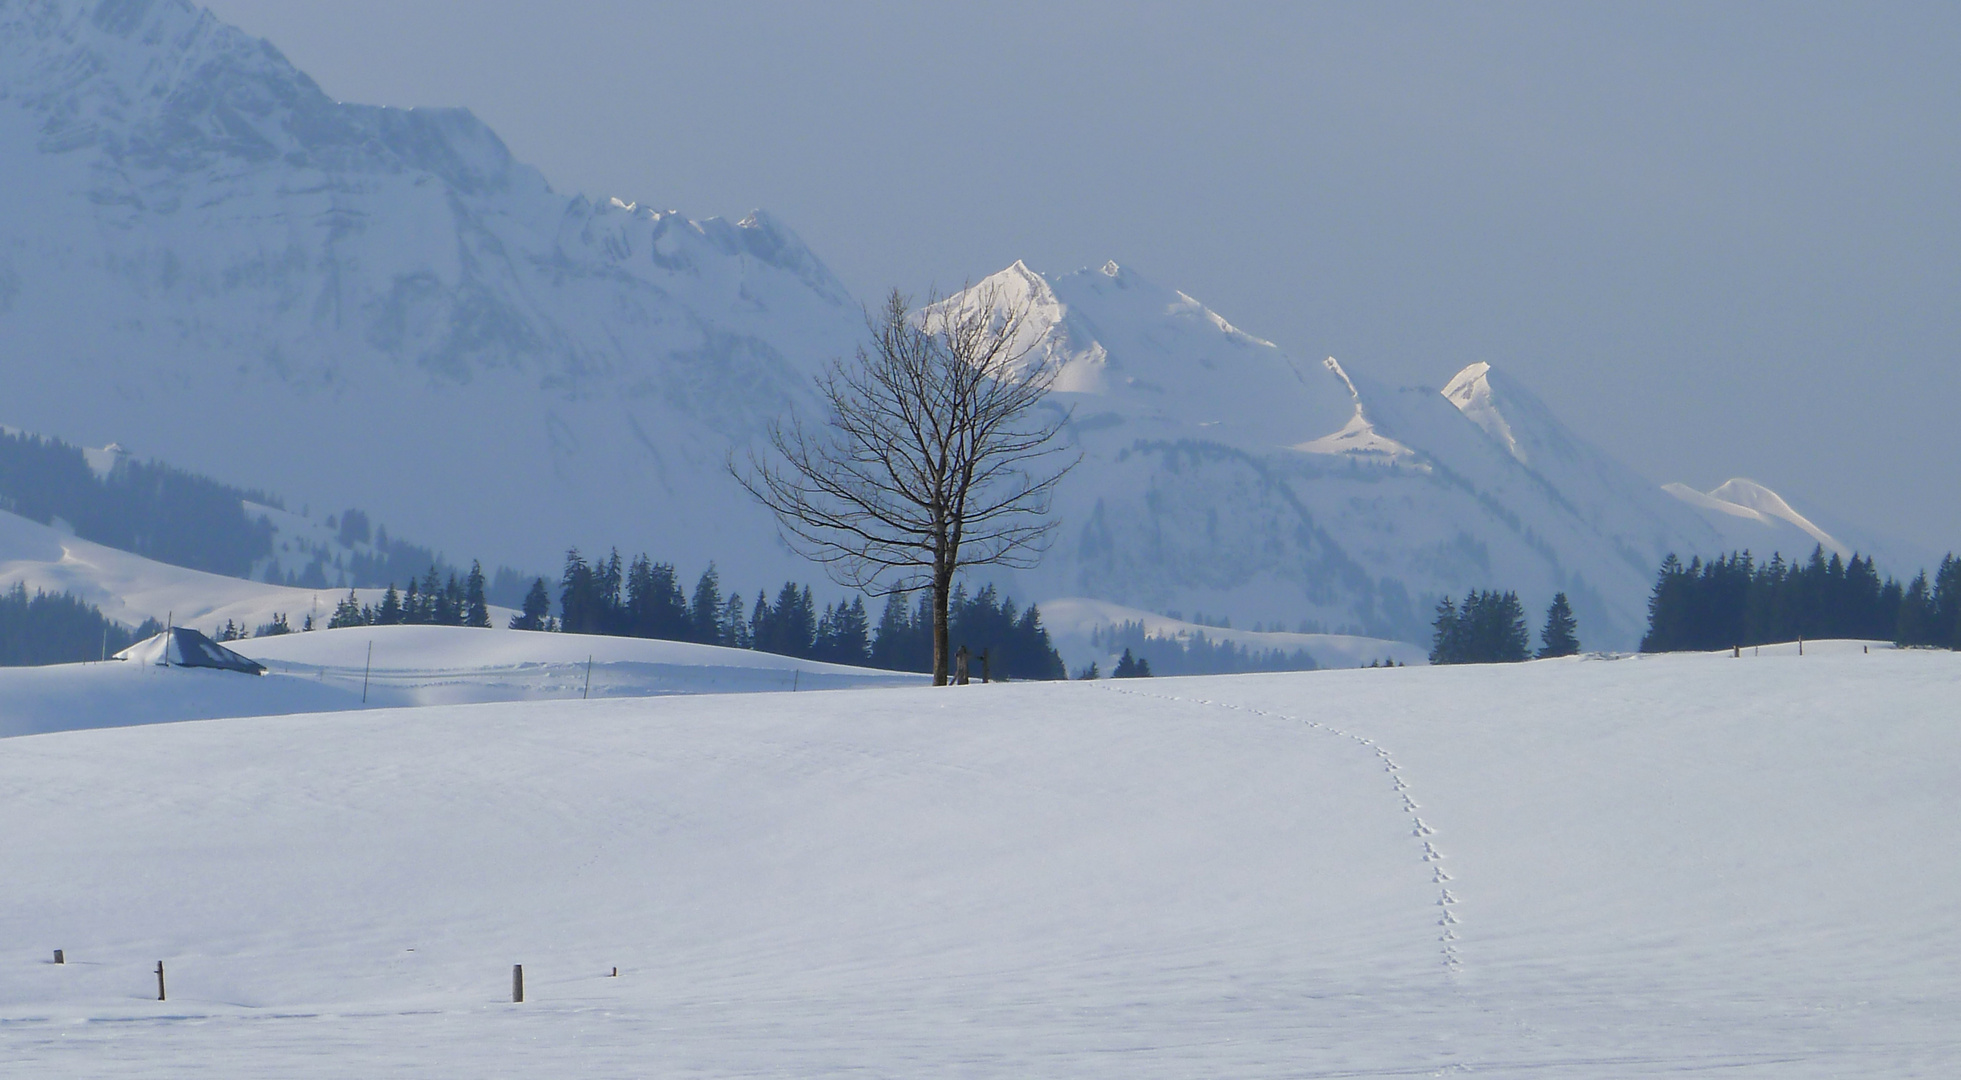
<point x="942" y="588"/>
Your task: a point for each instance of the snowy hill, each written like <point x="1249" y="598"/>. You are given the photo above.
<point x="376" y="667"/>
<point x="1658" y="866"/>
<point x="129" y="588"/>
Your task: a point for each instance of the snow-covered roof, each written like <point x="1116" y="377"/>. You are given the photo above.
<point x="181" y="646"/>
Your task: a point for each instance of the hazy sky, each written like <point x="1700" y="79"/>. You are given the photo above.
<point x="1719" y="240"/>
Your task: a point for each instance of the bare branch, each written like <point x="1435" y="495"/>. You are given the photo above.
<point x="933" y="457"/>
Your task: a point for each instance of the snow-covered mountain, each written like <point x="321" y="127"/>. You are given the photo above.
<point x="1219" y="473"/>
<point x="206" y="259"/>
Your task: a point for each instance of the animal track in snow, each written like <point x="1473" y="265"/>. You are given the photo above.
<point x="1447" y="923"/>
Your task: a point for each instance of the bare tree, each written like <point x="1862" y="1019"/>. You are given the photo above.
<point x="934" y="458"/>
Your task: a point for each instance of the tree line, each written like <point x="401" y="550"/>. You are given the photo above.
<point x="431" y="602"/>
<point x="643" y="598"/>
<point x="1198" y="654"/>
<point x="59" y="628"/>
<point x="1489" y="627"/>
<point x="1733" y="601"/>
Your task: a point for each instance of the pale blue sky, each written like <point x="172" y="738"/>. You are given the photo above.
<point x="1718" y="239"/>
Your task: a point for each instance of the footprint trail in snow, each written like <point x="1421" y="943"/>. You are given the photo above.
<point x="1421" y="830"/>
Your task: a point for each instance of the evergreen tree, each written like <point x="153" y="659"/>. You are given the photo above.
<point x="789" y="627"/>
<point x="59" y="628"/>
<point x="735" y="625"/>
<point x="1947" y="604"/>
<point x="1445" y="646"/>
<point x="580" y="609"/>
<point x="476" y="609"/>
<point x="762" y="626"/>
<point x="1488" y="628"/>
<point x="449" y="604"/>
<point x="412" y="608"/>
<point x="705" y="610"/>
<point x="893" y="642"/>
<point x="537" y="608"/>
<point x="1916" y="624"/>
<point x="390" y="612"/>
<point x="348" y="612"/>
<point x="844" y="634"/>
<point x="1130" y="667"/>
<point x="1558" y="638"/>
<point x="432" y="597"/>
<point x="1732" y="600"/>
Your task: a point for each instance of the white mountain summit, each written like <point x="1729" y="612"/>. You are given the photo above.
<point x="1221" y="474"/>
<point x="206" y="259"/>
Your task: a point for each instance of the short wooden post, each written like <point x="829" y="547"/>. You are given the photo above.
<point x="58" y="958"/>
<point x="616" y="973"/>
<point x="160" y="996"/>
<point x="517" y="983"/>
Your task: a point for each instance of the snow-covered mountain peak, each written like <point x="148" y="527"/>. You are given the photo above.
<point x="1358" y="439"/>
<point x="1126" y="347"/>
<point x="162" y="90"/>
<point x="1752" y="501"/>
<point x="1470" y="391"/>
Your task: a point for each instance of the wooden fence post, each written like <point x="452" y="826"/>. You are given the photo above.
<point x="58" y="958"/>
<point x="160" y="996"/>
<point x="517" y="983"/>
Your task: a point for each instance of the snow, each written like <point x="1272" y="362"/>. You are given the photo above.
<point x="1646" y="867"/>
<point x="1070" y="621"/>
<point x="187" y="219"/>
<point x="1755" y="496"/>
<point x="329" y="670"/>
<point x="1470" y="390"/>
<point x="130" y="588"/>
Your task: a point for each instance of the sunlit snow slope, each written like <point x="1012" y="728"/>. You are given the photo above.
<point x="1678" y="865"/>
<point x="130" y="588"/>
<point x="373" y="667"/>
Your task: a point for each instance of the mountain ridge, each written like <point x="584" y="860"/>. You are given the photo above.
<point x="366" y="306"/>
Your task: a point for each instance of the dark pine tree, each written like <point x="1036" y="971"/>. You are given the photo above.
<point x="1445" y="644"/>
<point x="705" y="610"/>
<point x="476" y="609"/>
<point x="390" y="612"/>
<point x="537" y="609"/>
<point x="1559" y="636"/>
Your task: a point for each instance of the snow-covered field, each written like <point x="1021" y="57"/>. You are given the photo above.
<point x="381" y="666"/>
<point x="1686" y="864"/>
